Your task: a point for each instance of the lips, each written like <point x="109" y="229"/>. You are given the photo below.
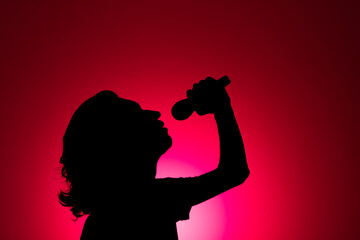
<point x="158" y="124"/>
<point x="161" y="123"/>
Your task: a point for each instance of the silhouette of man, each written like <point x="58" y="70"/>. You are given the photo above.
<point x="110" y="151"/>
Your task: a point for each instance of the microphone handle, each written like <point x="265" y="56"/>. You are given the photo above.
<point x="184" y="108"/>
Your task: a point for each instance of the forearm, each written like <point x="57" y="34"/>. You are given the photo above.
<point x="232" y="152"/>
<point x="210" y="97"/>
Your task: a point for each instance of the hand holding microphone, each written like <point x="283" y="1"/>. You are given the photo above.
<point x="207" y="96"/>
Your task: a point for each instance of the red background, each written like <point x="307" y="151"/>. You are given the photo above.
<point x="294" y="68"/>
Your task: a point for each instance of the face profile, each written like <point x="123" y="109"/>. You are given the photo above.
<point x="108" y="140"/>
<point x="148" y="130"/>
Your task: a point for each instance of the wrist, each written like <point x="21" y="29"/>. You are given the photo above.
<point x="223" y="110"/>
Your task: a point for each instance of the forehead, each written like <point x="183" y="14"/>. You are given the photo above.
<point x="129" y="103"/>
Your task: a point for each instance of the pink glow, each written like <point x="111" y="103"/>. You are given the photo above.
<point x="295" y="92"/>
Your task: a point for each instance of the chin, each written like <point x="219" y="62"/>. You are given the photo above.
<point x="166" y="144"/>
<point x="158" y="144"/>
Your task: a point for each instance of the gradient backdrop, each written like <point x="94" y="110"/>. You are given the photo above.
<point x="294" y="67"/>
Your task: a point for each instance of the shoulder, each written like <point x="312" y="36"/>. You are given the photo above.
<point x="180" y="180"/>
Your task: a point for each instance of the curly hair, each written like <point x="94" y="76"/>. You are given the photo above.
<point x="88" y="138"/>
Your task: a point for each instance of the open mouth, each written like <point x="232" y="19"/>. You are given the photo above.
<point x="161" y="123"/>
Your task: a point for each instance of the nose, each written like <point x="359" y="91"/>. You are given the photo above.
<point x="154" y="114"/>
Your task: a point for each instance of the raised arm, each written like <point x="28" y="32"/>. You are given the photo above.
<point x="209" y="97"/>
<point x="232" y="166"/>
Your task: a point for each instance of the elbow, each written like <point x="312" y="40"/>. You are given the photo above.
<point x="240" y="172"/>
<point x="242" y="176"/>
<point x="246" y="174"/>
<point x="237" y="178"/>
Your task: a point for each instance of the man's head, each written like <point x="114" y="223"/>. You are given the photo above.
<point x="109" y="140"/>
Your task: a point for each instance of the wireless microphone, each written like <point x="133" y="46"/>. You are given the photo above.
<point x="184" y="108"/>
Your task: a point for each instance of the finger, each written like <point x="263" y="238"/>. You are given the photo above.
<point x="189" y="93"/>
<point x="210" y="79"/>
<point x="196" y="86"/>
<point x="208" y="82"/>
<point x="202" y="82"/>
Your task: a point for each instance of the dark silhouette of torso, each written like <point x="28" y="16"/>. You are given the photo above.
<point x="149" y="212"/>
